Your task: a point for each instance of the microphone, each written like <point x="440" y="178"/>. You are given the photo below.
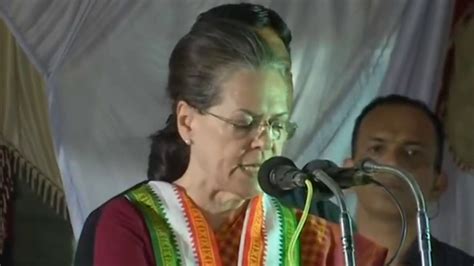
<point x="344" y="177"/>
<point x="278" y="175"/>
<point x="347" y="237"/>
<point x="422" y="219"/>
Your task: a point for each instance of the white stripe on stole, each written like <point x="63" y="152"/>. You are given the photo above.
<point x="273" y="232"/>
<point x="177" y="219"/>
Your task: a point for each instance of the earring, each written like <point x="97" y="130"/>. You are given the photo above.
<point x="188" y="142"/>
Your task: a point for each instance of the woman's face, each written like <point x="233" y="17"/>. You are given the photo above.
<point x="248" y="126"/>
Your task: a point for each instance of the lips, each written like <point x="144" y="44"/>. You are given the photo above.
<point x="253" y="168"/>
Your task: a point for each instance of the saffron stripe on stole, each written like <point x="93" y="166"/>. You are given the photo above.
<point x="204" y="242"/>
<point x="254" y="239"/>
<point x="163" y="240"/>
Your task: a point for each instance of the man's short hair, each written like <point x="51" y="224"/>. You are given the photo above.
<point x="395" y="99"/>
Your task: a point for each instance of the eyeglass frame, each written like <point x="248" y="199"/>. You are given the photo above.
<point x="290" y="127"/>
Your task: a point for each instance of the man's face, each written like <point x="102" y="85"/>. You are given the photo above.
<point x="278" y="47"/>
<point x="404" y="137"/>
<point x="275" y="43"/>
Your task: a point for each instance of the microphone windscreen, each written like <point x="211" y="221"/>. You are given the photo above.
<point x="265" y="172"/>
<point x="323" y="192"/>
<point x="323" y="165"/>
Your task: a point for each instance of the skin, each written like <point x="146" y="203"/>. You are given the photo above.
<point x="276" y="44"/>
<point x="404" y="137"/>
<point x="215" y="178"/>
<point x="222" y="172"/>
<point x="278" y="47"/>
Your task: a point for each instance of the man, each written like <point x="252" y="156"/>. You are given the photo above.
<point x="403" y="133"/>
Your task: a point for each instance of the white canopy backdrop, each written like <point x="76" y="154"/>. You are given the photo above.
<point x="105" y="63"/>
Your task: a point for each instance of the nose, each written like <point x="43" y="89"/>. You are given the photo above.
<point x="391" y="158"/>
<point x="263" y="140"/>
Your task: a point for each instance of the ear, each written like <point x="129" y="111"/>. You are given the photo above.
<point x="185" y="115"/>
<point x="348" y="162"/>
<point x="440" y="186"/>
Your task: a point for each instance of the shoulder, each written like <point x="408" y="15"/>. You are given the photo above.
<point x="124" y="211"/>
<point x="319" y="207"/>
<point x="116" y="215"/>
<point x="315" y="224"/>
<point x="116" y="205"/>
<point x="318" y="231"/>
<point x="444" y="252"/>
<point x="122" y="236"/>
<point x="327" y="235"/>
<point x="119" y="210"/>
<point x="367" y="252"/>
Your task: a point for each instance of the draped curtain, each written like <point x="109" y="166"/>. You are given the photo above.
<point x="105" y="63"/>
<point x="456" y="106"/>
<point x="25" y="132"/>
<point x="26" y="145"/>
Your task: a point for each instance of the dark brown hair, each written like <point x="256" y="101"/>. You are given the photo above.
<point x="252" y="15"/>
<point x="198" y="64"/>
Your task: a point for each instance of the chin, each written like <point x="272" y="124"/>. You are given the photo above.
<point x="381" y="210"/>
<point x="378" y="203"/>
<point x="383" y="206"/>
<point x="245" y="186"/>
<point x="253" y="193"/>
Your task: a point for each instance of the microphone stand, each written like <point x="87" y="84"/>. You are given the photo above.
<point x="423" y="225"/>
<point x="345" y="220"/>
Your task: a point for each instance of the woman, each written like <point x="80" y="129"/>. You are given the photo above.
<point x="273" y="29"/>
<point x="231" y="100"/>
<point x="277" y="35"/>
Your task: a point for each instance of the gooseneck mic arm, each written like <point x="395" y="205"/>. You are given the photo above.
<point x="423" y="225"/>
<point x="346" y="225"/>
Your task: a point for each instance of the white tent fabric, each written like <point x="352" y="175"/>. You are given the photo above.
<point x="106" y="62"/>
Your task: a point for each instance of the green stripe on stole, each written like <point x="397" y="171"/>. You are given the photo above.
<point x="164" y="243"/>
<point x="288" y="229"/>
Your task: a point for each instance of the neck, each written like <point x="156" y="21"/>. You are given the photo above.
<point x="386" y="231"/>
<point x="217" y="206"/>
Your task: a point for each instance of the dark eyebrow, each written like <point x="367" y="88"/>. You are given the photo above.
<point x="249" y="112"/>
<point x="406" y="143"/>
<point x="376" y="139"/>
<point x="413" y="143"/>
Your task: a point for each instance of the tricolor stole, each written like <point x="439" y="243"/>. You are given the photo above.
<point x="180" y="234"/>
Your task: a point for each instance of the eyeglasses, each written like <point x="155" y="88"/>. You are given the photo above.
<point x="279" y="130"/>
